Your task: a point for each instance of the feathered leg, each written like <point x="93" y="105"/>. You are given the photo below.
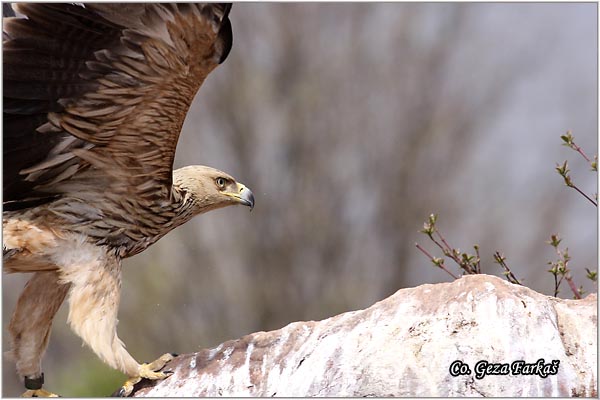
<point x="93" y="306"/>
<point x="30" y="327"/>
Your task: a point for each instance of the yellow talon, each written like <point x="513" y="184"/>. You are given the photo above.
<point x="38" y="393"/>
<point x="147" y="371"/>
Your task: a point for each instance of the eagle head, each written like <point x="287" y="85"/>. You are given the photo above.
<point x="209" y="189"/>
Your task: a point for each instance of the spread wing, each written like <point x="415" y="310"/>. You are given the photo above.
<point x="95" y="96"/>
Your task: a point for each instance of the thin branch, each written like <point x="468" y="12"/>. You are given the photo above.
<point x="500" y="259"/>
<point x="478" y="264"/>
<point x="570" y="142"/>
<point x="583" y="194"/>
<point x="565" y="258"/>
<point x="573" y="287"/>
<point x="450" y="251"/>
<point x="443" y="239"/>
<point x="563" y="170"/>
<point x="436" y="261"/>
<point x="556" y="283"/>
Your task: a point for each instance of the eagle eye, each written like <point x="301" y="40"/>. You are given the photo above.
<point x="221" y="182"/>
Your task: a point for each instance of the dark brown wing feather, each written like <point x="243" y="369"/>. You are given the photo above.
<point x="95" y="96"/>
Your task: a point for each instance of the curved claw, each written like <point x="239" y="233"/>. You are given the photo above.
<point x="147" y="371"/>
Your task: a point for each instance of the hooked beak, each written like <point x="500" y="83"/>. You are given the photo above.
<point x="244" y="196"/>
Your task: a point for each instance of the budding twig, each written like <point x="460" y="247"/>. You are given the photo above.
<point x="501" y="260"/>
<point x="560" y="268"/>
<point x="563" y="170"/>
<point x="569" y="141"/>
<point x="439" y="262"/>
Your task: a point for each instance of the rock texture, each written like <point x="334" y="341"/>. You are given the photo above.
<point x="406" y="344"/>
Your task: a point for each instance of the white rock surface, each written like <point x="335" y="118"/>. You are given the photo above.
<point x="405" y="345"/>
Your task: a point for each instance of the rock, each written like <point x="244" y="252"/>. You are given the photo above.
<point x="406" y="345"/>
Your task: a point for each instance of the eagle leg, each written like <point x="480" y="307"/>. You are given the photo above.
<point x="93" y="305"/>
<point x="147" y="371"/>
<point x="30" y="325"/>
<point x="34" y="387"/>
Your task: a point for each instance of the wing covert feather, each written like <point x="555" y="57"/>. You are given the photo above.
<point x="108" y="87"/>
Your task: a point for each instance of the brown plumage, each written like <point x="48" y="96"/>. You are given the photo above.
<point x="94" y="99"/>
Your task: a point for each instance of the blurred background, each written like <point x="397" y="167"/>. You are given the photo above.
<point x="352" y="123"/>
